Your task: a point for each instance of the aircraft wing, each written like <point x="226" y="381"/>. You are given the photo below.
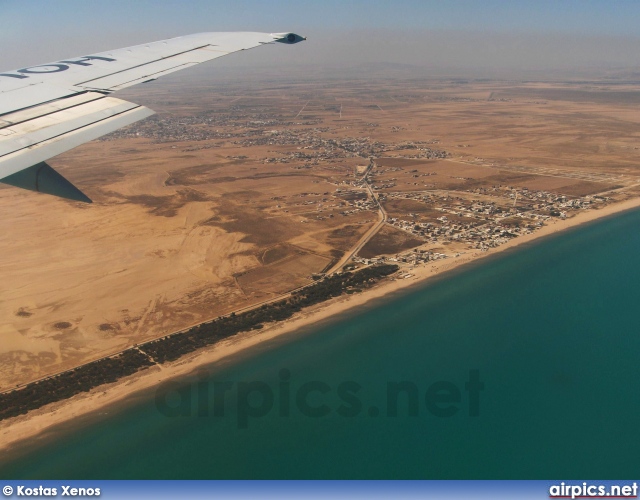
<point x="49" y="109"/>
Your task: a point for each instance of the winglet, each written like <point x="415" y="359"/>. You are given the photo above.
<point x="288" y="37"/>
<point x="44" y="179"/>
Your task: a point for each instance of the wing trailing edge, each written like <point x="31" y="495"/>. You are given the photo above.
<point x="31" y="136"/>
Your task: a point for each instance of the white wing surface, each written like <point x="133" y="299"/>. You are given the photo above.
<point x="48" y="109"/>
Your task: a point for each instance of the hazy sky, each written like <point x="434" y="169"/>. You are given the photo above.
<point x="468" y="35"/>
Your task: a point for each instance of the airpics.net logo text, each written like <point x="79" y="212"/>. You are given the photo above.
<point x="286" y="397"/>
<point x="587" y="490"/>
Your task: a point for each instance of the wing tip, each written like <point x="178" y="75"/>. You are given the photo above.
<point x="288" y="38"/>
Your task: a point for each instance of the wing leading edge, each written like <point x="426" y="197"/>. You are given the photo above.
<point x="49" y="109"/>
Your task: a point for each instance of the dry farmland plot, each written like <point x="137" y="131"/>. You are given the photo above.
<point x="282" y="276"/>
<point x="389" y="241"/>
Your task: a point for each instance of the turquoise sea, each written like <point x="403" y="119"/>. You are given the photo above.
<point x="551" y="330"/>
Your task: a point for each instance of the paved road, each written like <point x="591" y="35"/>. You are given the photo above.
<point x="382" y="218"/>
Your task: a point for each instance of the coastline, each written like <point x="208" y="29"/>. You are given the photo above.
<point x="39" y="423"/>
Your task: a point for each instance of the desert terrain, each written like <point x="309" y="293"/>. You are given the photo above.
<point x="237" y="193"/>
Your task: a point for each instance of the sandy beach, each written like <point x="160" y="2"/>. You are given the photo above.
<point x="40" y="423"/>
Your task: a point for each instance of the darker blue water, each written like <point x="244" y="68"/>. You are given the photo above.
<point x="552" y="330"/>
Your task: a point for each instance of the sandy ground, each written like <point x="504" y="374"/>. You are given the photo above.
<point x="232" y="200"/>
<point x="39" y="424"/>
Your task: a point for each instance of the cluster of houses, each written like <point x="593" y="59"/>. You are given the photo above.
<point x="412" y="257"/>
<point x="486" y="223"/>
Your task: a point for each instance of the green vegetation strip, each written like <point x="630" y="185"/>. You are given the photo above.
<point x="172" y="347"/>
